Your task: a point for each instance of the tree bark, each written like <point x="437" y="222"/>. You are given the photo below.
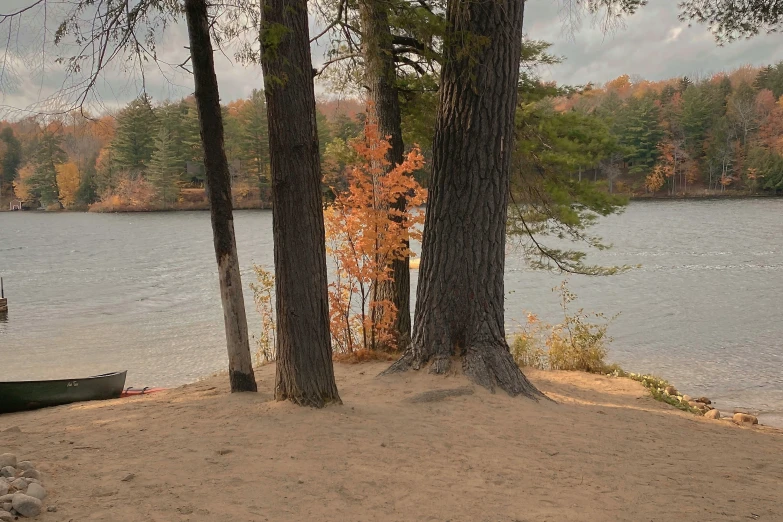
<point x="305" y="374"/>
<point x="381" y="84"/>
<point x="460" y="296"/>
<point x="240" y="365"/>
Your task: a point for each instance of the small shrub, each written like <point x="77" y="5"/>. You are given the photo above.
<point x="576" y="344"/>
<point x="263" y="296"/>
<point x="527" y="347"/>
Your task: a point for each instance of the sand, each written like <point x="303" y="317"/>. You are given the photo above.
<point x="606" y="451"/>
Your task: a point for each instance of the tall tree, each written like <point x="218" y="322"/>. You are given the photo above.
<point x="304" y="374"/>
<point x="11" y="158"/>
<point x="47" y="156"/>
<point x="134" y="142"/>
<point x="460" y="297"/>
<point x="165" y="168"/>
<point x="381" y="83"/>
<point x="255" y="137"/>
<point x="639" y="130"/>
<point x="219" y="192"/>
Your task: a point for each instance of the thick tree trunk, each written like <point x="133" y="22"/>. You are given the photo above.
<point x="240" y="365"/>
<point x="381" y="84"/>
<point x="460" y="296"/>
<point x="305" y="374"/>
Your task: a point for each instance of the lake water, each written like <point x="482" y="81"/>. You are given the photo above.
<point x="91" y="293"/>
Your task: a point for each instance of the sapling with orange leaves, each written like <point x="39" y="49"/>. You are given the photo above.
<point x="365" y="233"/>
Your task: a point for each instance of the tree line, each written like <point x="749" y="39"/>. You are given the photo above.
<point x="148" y="155"/>
<point x="678" y="136"/>
<point x="687" y="136"/>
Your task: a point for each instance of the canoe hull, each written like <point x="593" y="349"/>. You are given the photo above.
<point x="31" y="395"/>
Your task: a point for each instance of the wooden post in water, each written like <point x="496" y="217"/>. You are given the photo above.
<point x="3" y="300"/>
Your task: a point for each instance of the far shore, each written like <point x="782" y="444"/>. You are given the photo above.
<point x="703" y="195"/>
<point x="399" y="449"/>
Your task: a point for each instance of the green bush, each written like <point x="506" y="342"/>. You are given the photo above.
<point x="576" y="344"/>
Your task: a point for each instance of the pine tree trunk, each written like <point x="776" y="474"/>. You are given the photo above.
<point x="240" y="366"/>
<point x="305" y="374"/>
<point x="381" y="84"/>
<point x="460" y="296"/>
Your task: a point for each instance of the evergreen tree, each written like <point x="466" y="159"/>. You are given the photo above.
<point x="12" y="158"/>
<point x="165" y="170"/>
<point x="771" y="77"/>
<point x="255" y="138"/>
<point x="48" y="154"/>
<point x="134" y="141"/>
<point x="87" y="193"/>
<point x="639" y="130"/>
<point x="190" y="135"/>
<point x="696" y="118"/>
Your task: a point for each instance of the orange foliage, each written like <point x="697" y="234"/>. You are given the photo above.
<point x="21" y="188"/>
<point x="68" y="180"/>
<point x="132" y="194"/>
<point x="771" y="131"/>
<point x="655" y="180"/>
<point x="364" y="235"/>
<point x="621" y="85"/>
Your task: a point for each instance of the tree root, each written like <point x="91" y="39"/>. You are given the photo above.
<point x="488" y="366"/>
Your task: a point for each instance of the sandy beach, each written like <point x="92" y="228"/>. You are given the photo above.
<point x="397" y="452"/>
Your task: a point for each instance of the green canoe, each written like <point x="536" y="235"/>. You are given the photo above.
<point x="30" y="395"/>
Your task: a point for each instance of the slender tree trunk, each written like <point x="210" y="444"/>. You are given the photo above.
<point x="381" y="84"/>
<point x="240" y="366"/>
<point x="305" y="374"/>
<point x="460" y="296"/>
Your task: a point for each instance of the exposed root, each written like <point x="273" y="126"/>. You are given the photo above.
<point x="494" y="367"/>
<point x="488" y="366"/>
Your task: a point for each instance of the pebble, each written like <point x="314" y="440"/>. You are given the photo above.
<point x="4" y="487"/>
<point x="687" y="398"/>
<point x="37" y="491"/>
<point x="6" y="498"/>
<point x="7" y="471"/>
<point x="32" y="473"/>
<point x="7" y="459"/>
<point x="5" y="516"/>
<point x="26" y="505"/>
<point x="129" y="477"/>
<point x="671" y="390"/>
<point x="52" y="509"/>
<point x="744" y="418"/>
<point x="704" y="400"/>
<point x="20" y="484"/>
<point x="13" y="429"/>
<point x="712" y="414"/>
<point x="25" y="465"/>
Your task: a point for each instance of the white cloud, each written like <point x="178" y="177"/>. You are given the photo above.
<point x="674" y="33"/>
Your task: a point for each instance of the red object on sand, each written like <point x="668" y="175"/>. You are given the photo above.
<point x="132" y="392"/>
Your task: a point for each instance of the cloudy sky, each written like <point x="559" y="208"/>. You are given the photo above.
<point x="652" y="44"/>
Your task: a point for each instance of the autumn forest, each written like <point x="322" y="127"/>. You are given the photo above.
<point x="717" y="135"/>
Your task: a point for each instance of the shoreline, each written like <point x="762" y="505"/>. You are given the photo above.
<point x="205" y="205"/>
